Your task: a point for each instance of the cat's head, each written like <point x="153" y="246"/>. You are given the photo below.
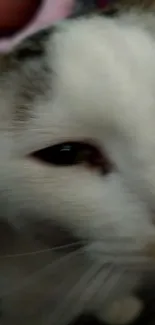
<point x="77" y="133"/>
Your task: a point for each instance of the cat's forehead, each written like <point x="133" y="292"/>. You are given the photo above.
<point x="80" y="72"/>
<point x="101" y="64"/>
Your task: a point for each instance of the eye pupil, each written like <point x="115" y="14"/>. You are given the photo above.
<point x="64" y="155"/>
<point x="59" y="155"/>
<point x="73" y="153"/>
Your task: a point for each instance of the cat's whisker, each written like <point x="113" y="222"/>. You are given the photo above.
<point x="50" y="268"/>
<point x="92" y="289"/>
<point x="114" y="239"/>
<point x="75" y="293"/>
<point x="112" y="284"/>
<point x="105" y="282"/>
<point x="122" y="253"/>
<point x="54" y="249"/>
<point x="131" y="263"/>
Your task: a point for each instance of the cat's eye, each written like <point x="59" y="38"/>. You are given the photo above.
<point x="73" y="153"/>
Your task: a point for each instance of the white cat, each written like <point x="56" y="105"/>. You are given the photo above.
<point x="77" y="144"/>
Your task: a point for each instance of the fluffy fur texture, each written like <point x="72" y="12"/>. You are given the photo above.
<point x="90" y="80"/>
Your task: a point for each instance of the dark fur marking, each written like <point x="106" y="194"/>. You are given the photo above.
<point x="33" y="74"/>
<point x="33" y="84"/>
<point x="110" y="12"/>
<point x="34" y="46"/>
<point x="89" y="7"/>
<point x="83" y="8"/>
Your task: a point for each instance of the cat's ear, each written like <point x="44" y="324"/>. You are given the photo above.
<point x="49" y="13"/>
<point x="30" y="42"/>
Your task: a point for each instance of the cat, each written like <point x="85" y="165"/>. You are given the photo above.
<point x="77" y="143"/>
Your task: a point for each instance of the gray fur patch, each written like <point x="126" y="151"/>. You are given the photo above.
<point x="31" y="68"/>
<point x="33" y="46"/>
<point x="33" y="83"/>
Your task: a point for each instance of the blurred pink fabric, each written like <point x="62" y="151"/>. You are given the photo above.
<point x="49" y="13"/>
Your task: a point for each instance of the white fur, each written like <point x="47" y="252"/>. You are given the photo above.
<point x="102" y="89"/>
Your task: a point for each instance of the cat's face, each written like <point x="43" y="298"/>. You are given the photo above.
<point x="87" y="101"/>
